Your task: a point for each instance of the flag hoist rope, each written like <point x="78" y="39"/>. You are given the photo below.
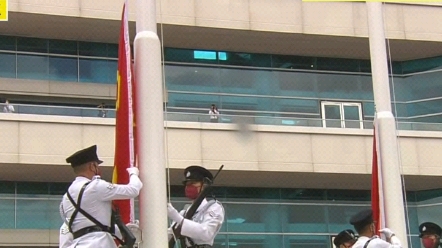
<point x="390" y="62"/>
<point x="166" y="140"/>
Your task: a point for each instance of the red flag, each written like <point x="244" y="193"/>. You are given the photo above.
<point x="124" y="127"/>
<point x="377" y="196"/>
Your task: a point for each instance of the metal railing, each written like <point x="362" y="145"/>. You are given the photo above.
<point x="239" y="117"/>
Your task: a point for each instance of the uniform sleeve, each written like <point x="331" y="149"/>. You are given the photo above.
<point x="109" y="191"/>
<point x="207" y="230"/>
<point x="65" y="237"/>
<point x="384" y="244"/>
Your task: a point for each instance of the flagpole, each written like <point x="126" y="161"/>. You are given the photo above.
<point x="150" y="127"/>
<point x="388" y="149"/>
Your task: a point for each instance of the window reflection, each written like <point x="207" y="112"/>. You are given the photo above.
<point x="32" y="67"/>
<point x="63" y="69"/>
<point x="7" y="65"/>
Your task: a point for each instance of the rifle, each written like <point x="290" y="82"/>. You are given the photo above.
<point x="129" y="239"/>
<point x="207" y="189"/>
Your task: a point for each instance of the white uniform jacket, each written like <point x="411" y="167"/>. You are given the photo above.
<point x="377" y="243"/>
<point x="205" y="224"/>
<point x="97" y="201"/>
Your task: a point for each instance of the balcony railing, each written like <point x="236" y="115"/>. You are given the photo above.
<point x="240" y="117"/>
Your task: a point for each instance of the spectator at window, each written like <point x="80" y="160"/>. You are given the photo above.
<point x="102" y="111"/>
<point x="213" y="113"/>
<point x="8" y="108"/>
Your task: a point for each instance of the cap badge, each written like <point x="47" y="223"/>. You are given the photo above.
<point x="424" y="228"/>
<point x="188" y="174"/>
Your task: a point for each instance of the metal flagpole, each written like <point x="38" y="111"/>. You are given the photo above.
<point x="150" y="126"/>
<point x="389" y="155"/>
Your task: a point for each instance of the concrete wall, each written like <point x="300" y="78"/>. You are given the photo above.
<point x="403" y="21"/>
<point x="48" y="140"/>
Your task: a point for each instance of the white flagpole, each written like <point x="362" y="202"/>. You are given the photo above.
<point x="388" y="149"/>
<point x="150" y="126"/>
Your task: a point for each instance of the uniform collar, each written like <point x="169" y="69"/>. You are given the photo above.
<point x="203" y="203"/>
<point x="82" y="179"/>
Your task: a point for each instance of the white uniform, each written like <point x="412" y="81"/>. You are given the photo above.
<point x="377" y="243"/>
<point x="205" y="224"/>
<point x="65" y="237"/>
<point x="97" y="201"/>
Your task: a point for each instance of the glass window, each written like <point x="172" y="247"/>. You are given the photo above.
<point x="7" y="43"/>
<point x="32" y="188"/>
<point x="335" y="64"/>
<point x="305" y="219"/>
<point x="7" y="187"/>
<point x="207" y="55"/>
<point x="339" y="216"/>
<point x="112" y="51"/>
<point x="246" y="59"/>
<point x="58" y="188"/>
<point x="341" y="114"/>
<point x="252" y="193"/>
<point x="421" y="65"/>
<point x="253" y="241"/>
<point x="92" y="49"/>
<point x="192" y="78"/>
<point x="32" y="67"/>
<point x="7" y="65"/>
<point x="302" y="194"/>
<point x="253" y="217"/>
<point x="181" y="55"/>
<point x="32" y="45"/>
<point x="293" y="62"/>
<point x="63" y="47"/>
<point x="98" y="71"/>
<point x="63" y="69"/>
<point x="32" y="214"/>
<point x="7" y="215"/>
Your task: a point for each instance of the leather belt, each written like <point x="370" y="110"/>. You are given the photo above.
<point x="89" y="229"/>
<point x="201" y="246"/>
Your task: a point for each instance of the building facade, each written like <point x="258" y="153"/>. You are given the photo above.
<point x="291" y="79"/>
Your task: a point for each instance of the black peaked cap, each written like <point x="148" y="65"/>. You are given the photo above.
<point x="84" y="156"/>
<point x="196" y="173"/>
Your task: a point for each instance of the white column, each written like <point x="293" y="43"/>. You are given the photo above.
<point x="389" y="155"/>
<point x="150" y="125"/>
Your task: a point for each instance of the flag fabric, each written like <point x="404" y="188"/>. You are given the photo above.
<point x="124" y="126"/>
<point x="377" y="196"/>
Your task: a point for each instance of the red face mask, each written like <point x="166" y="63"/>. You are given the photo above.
<point x="428" y="242"/>
<point x="192" y="192"/>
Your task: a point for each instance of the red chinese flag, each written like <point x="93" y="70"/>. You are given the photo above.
<point x="377" y="203"/>
<point x="124" y="127"/>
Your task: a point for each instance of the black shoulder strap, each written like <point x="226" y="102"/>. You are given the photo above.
<point x="79" y="209"/>
<point x="368" y="241"/>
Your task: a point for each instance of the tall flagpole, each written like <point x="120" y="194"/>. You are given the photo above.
<point x="389" y="155"/>
<point x="150" y="127"/>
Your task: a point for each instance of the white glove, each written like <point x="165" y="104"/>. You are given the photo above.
<point x="133" y="171"/>
<point x="173" y="214"/>
<point x="387" y="232"/>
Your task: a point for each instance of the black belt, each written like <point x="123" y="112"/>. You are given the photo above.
<point x="89" y="229"/>
<point x="201" y="246"/>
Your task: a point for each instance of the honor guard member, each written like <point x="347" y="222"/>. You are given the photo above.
<point x="430" y="234"/>
<point x="366" y="228"/>
<point x="201" y="230"/>
<point x="87" y="205"/>
<point x="345" y="239"/>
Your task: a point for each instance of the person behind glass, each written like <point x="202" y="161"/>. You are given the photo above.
<point x="8" y="108"/>
<point x="87" y="205"/>
<point x="366" y="228"/>
<point x="201" y="230"/>
<point x="102" y="110"/>
<point x="213" y="113"/>
<point x="345" y="239"/>
<point x="430" y="234"/>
